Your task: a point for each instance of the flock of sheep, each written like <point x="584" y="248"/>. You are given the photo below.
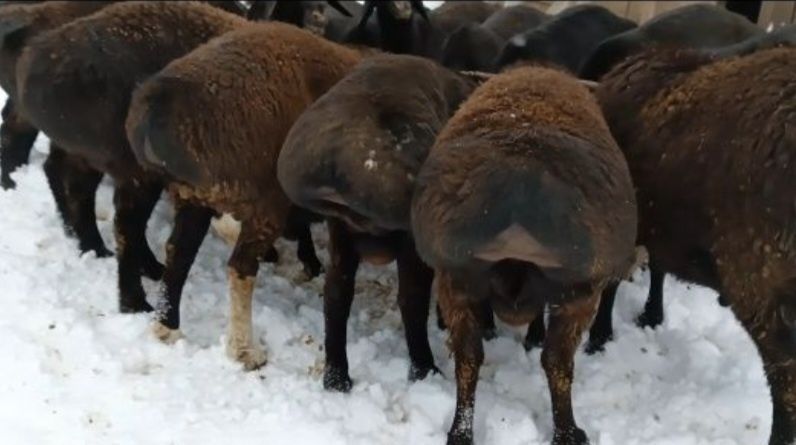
<point x="484" y="166"/>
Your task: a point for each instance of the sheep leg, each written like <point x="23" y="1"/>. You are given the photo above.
<point x="567" y="323"/>
<point x="440" y="319"/>
<point x="414" y="298"/>
<point x="536" y="333"/>
<point x="774" y="333"/>
<point x="461" y="316"/>
<point x="271" y="255"/>
<point x="16" y="140"/>
<point x="243" y="265"/>
<point x="652" y="316"/>
<point x="338" y="294"/>
<point x="191" y="224"/>
<point x="487" y="317"/>
<point x="298" y="228"/>
<point x="134" y="202"/>
<point x="74" y="187"/>
<point x="602" y="330"/>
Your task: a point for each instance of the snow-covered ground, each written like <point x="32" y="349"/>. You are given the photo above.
<point x="75" y="371"/>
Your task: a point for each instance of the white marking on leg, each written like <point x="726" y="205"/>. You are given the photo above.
<point x="227" y="227"/>
<point x="240" y="340"/>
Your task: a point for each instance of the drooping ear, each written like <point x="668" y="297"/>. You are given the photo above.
<point x="418" y="6"/>
<point x="339" y="7"/>
<point x="14" y="31"/>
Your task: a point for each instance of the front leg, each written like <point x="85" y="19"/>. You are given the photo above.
<point x="191" y="223"/>
<point x="16" y="140"/>
<point x="243" y="266"/>
<point x="338" y="294"/>
<point x="567" y="323"/>
<point x="461" y="315"/>
<point x="652" y="316"/>
<point x="414" y="296"/>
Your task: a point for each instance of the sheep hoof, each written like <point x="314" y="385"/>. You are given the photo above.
<point x="531" y="342"/>
<point x="575" y="436"/>
<point x="647" y="320"/>
<point x="135" y="306"/>
<point x="252" y="357"/>
<point x="152" y="269"/>
<point x="272" y="256"/>
<point x="312" y="270"/>
<point x="336" y="379"/>
<point x="723" y="301"/>
<point x="101" y="252"/>
<point x="8" y="184"/>
<point x="489" y="334"/>
<point x="420" y="372"/>
<point x="166" y="335"/>
<point x="597" y="343"/>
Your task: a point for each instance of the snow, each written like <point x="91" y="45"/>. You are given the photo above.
<point x="75" y="371"/>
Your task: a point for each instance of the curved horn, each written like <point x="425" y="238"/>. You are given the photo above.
<point x="339" y="7"/>
<point x="590" y="84"/>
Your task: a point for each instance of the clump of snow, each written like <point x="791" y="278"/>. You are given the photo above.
<point x="75" y="371"/>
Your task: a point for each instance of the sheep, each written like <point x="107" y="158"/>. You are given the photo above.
<point x="784" y="35"/>
<point x="565" y="40"/>
<point x="712" y="151"/>
<point x="693" y="26"/>
<point x="653" y="314"/>
<point x="310" y="15"/>
<point x="524" y="200"/>
<point x="75" y="82"/>
<point x="353" y="156"/>
<point x="224" y="159"/>
<point x="474" y="46"/>
<point x="19" y="22"/>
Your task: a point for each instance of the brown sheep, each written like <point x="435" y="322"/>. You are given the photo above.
<point x="712" y="150"/>
<point x="353" y="156"/>
<point x="19" y="23"/>
<point x="75" y="84"/>
<point x="225" y="157"/>
<point x="524" y="200"/>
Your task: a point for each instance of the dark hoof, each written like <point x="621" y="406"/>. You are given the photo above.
<point x="336" y="379"/>
<point x="723" y="301"/>
<point x="135" y="307"/>
<point x="572" y="437"/>
<point x="100" y="251"/>
<point x="489" y="334"/>
<point x="460" y="438"/>
<point x="313" y="269"/>
<point x="534" y="339"/>
<point x="646" y="320"/>
<point x="8" y="184"/>
<point x="272" y="256"/>
<point x="418" y="372"/>
<point x="597" y="343"/>
<point x="153" y="270"/>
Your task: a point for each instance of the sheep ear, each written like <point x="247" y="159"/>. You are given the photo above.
<point x="14" y="31"/>
<point x="260" y="10"/>
<point x="418" y="6"/>
<point x="477" y="76"/>
<point x="339" y="7"/>
<point x="590" y="84"/>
